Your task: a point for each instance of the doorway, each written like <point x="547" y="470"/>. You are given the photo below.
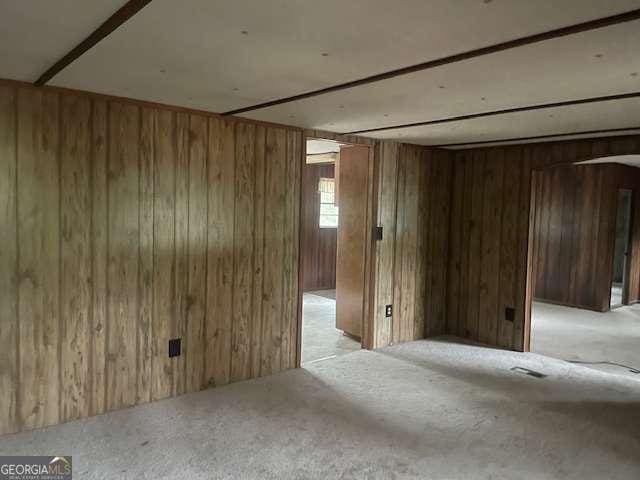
<point x="335" y="213"/>
<point x="620" y="270"/>
<point x="580" y="291"/>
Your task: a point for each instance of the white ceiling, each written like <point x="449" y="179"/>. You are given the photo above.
<point x="36" y="33"/>
<point x="195" y="54"/>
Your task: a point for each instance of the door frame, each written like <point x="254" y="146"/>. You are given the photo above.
<point x="624" y="298"/>
<point x="535" y="172"/>
<point x="369" y="246"/>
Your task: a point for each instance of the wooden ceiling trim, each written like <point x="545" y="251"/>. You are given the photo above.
<point x="527" y="108"/>
<point x="127" y="11"/>
<point x="518" y="42"/>
<point x="537" y="137"/>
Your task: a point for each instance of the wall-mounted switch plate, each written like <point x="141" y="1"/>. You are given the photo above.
<point x="388" y="310"/>
<point x="174" y="347"/>
<point x="510" y="314"/>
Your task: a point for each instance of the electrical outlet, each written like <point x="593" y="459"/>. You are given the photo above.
<point x="510" y="314"/>
<point x="174" y="347"/>
<point x="388" y="310"/>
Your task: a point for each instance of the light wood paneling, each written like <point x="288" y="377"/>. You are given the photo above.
<point x="38" y="256"/>
<point x="75" y="261"/>
<point x="411" y="259"/>
<point x="125" y="226"/>
<point x="490" y="224"/>
<point x="9" y="371"/>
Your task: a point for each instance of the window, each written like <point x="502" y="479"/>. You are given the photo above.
<point x="328" y="208"/>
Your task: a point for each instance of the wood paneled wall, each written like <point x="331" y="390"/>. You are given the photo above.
<point x="490" y="231"/>
<point x="319" y="244"/>
<point x="125" y="225"/>
<point x="410" y="270"/>
<point x="574" y="232"/>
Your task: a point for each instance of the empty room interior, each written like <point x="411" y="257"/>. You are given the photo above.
<point x="316" y="240"/>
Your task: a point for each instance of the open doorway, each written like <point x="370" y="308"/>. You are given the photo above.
<point x="584" y="272"/>
<point x="336" y="180"/>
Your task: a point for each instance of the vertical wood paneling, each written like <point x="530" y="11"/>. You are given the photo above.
<point x="122" y="268"/>
<point x="242" y="290"/>
<point x="503" y="278"/>
<point x="319" y="249"/>
<point x="38" y="258"/>
<point x="145" y="335"/>
<point x="99" y="240"/>
<point x="221" y="165"/>
<point x="8" y="263"/>
<point x="258" y="249"/>
<point x="508" y="246"/>
<point x="412" y="258"/>
<point x="291" y="245"/>
<point x="387" y="158"/>
<point x="125" y="226"/>
<point x="274" y="217"/>
<point x="574" y="233"/>
<point x="181" y="239"/>
<point x="75" y="261"/>
<point x="165" y="308"/>
<point x="454" y="297"/>
<point x="490" y="248"/>
<point x="197" y="255"/>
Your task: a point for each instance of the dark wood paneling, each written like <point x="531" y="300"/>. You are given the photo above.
<point x="126" y="225"/>
<point x="573" y="235"/>
<point x="491" y="214"/>
<point x="319" y="244"/>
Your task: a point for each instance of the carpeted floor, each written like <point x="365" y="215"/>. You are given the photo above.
<point x="607" y="341"/>
<point x="432" y="409"/>
<point x="320" y="338"/>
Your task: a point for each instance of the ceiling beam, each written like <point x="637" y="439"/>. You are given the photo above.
<point x="112" y="23"/>
<point x="528" y="108"/>
<point x="519" y="42"/>
<point x="537" y="137"/>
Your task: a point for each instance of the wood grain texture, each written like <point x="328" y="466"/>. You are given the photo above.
<point x="411" y="259"/>
<point x="350" y="249"/>
<point x="197" y="255"/>
<point x="574" y="234"/>
<point x="122" y="257"/>
<point x="486" y="283"/>
<point x="319" y="244"/>
<point x="38" y="216"/>
<point x="8" y="261"/>
<point x="75" y="260"/>
<point x="128" y="225"/>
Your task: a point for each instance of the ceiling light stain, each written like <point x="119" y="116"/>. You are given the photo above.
<point x="341" y="106"/>
<point x="483" y="98"/>
<point x="634" y="74"/>
<point x="441" y="86"/>
<point x="244" y="32"/>
<point x="598" y="55"/>
<point x="325" y="54"/>
<point x="163" y="70"/>
<point x="235" y="89"/>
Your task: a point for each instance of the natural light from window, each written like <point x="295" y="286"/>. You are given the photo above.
<point x="328" y="207"/>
